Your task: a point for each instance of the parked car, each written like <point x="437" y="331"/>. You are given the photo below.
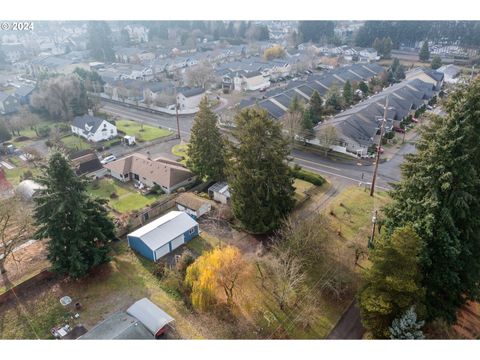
<point x="399" y="130"/>
<point x="108" y="159"/>
<point x="381" y="149"/>
<point x="414" y="120"/>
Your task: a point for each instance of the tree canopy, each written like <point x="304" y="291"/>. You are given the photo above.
<point x="440" y="194"/>
<point x="100" y="41"/>
<point x="206" y="151"/>
<point x="260" y="180"/>
<point x="77" y="226"/>
<point x="392" y="283"/>
<point x="316" y="31"/>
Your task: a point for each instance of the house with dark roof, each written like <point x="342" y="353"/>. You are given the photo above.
<point x="426" y="75"/>
<point x="23" y="93"/>
<point x="189" y="98"/>
<point x="86" y="163"/>
<point x="357" y="128"/>
<point x="93" y="128"/>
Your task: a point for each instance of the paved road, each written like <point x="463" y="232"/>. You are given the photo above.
<point x="353" y="172"/>
<point x="349" y="326"/>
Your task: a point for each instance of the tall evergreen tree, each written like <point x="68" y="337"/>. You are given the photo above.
<point x="436" y="62"/>
<point x="260" y="180"/>
<point x="392" y="284"/>
<point x="78" y="226"/>
<point x="100" y="41"/>
<point x="363" y="86"/>
<point x="347" y="93"/>
<point x="206" y="151"/>
<point x="307" y="122"/>
<point x="424" y="54"/>
<point x="316" y="107"/>
<point x="440" y="194"/>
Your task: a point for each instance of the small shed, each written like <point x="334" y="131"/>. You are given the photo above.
<point x="150" y="315"/>
<point x="192" y="205"/>
<point x="163" y="235"/>
<point x="220" y="192"/>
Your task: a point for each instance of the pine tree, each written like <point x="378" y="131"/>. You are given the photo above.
<point x="407" y="327"/>
<point x="307" y="122"/>
<point x="347" y="93"/>
<point x="436" y="62"/>
<point x="440" y="194"/>
<point x="78" y="226"/>
<point x="363" y="86"/>
<point x="424" y="54"/>
<point x="392" y="284"/>
<point x="206" y="155"/>
<point x="261" y="182"/>
<point x="316" y="107"/>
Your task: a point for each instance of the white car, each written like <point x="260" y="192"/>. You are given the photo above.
<point x="108" y="159"/>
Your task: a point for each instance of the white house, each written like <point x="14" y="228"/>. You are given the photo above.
<point x="250" y="81"/>
<point x="190" y="98"/>
<point x="93" y="128"/>
<point x="368" y="54"/>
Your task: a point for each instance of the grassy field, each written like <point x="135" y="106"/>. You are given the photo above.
<point x="301" y="187"/>
<point x="14" y="175"/>
<point x="128" y="199"/>
<point x="75" y="142"/>
<point x="148" y="133"/>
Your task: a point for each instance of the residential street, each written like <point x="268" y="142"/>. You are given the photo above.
<point x="349" y="171"/>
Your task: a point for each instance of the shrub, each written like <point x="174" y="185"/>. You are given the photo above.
<point x="115" y="142"/>
<point x="185" y="260"/>
<point x="113" y="195"/>
<point x="95" y="184"/>
<point x="48" y="143"/>
<point x="63" y="127"/>
<point x="22" y="138"/>
<point x="156" y="190"/>
<point x="311" y="177"/>
<point x="44" y="131"/>
<point x="27" y="175"/>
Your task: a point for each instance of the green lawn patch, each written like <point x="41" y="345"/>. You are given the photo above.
<point x="14" y="176"/>
<point x="148" y="133"/>
<point x="128" y="198"/>
<point x="181" y="151"/>
<point x="75" y="142"/>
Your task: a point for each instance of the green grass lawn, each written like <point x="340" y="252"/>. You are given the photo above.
<point x="128" y="199"/>
<point x="181" y="150"/>
<point x="30" y="133"/>
<point x="14" y="175"/>
<point x="75" y="142"/>
<point x="133" y="128"/>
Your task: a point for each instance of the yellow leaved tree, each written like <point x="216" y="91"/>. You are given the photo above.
<point x="216" y="271"/>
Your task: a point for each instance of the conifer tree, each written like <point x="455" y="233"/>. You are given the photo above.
<point x="392" y="284"/>
<point x="407" y="327"/>
<point x="440" y="194"/>
<point x="347" y="93"/>
<point x="261" y="183"/>
<point x="77" y="226"/>
<point x="316" y="107"/>
<point x="424" y="54"/>
<point x="206" y="148"/>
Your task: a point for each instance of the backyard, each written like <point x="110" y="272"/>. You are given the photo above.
<point x="141" y="133"/>
<point x="127" y="198"/>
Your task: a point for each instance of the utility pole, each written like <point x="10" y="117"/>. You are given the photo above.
<point x="176" y="108"/>
<point x="384" y="120"/>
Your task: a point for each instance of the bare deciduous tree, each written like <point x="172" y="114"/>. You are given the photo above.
<point x="200" y="75"/>
<point x="327" y="136"/>
<point x="15" y="228"/>
<point x="55" y="95"/>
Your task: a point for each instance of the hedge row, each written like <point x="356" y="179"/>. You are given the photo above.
<point x="309" y="176"/>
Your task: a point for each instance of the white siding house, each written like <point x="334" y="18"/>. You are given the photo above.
<point x="190" y="99"/>
<point x="93" y="128"/>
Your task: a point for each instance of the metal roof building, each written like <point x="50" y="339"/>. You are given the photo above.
<point x="163" y="235"/>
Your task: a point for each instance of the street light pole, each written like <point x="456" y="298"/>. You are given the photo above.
<point x="384" y="120"/>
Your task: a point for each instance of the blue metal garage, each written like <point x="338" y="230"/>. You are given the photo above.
<point x="163" y="235"/>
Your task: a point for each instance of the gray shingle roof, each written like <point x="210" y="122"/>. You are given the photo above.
<point x="192" y="92"/>
<point x="89" y="124"/>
